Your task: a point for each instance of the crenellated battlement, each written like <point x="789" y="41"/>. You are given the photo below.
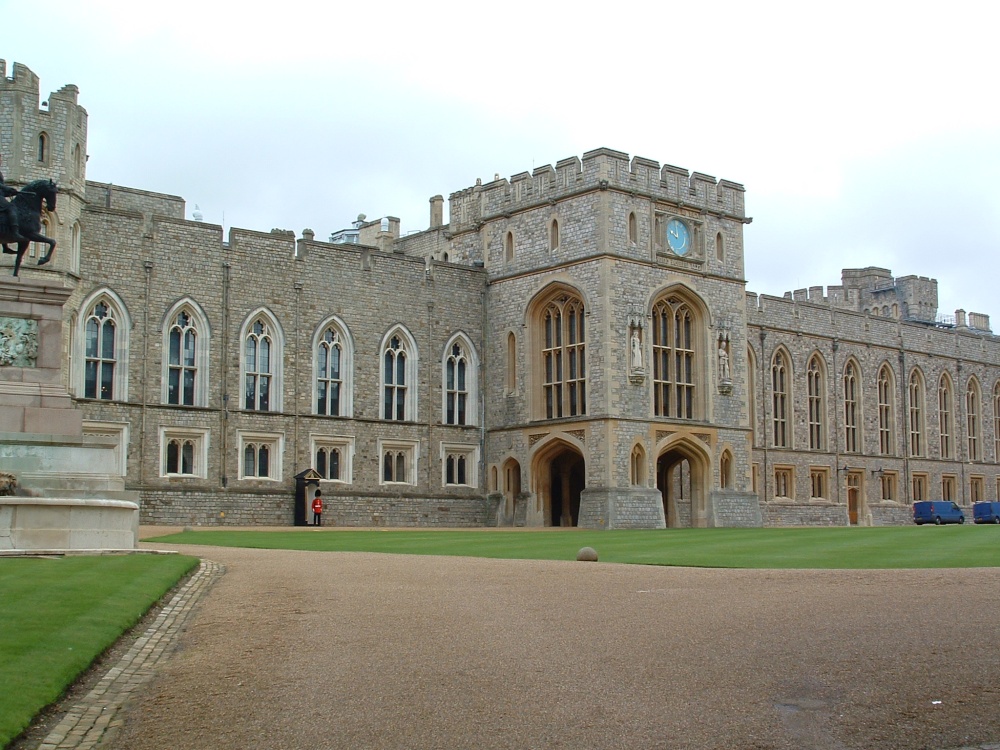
<point x="876" y="292"/>
<point x="600" y="169"/>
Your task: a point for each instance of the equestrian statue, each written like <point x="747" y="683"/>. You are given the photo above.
<point x="20" y="218"/>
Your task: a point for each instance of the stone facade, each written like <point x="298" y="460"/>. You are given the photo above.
<point x="575" y="346"/>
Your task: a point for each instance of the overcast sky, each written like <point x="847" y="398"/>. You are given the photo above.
<point x="865" y="133"/>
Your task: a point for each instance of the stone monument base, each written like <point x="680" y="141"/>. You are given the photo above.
<point x="57" y="524"/>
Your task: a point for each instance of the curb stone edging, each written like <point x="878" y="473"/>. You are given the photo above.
<point x="85" y="724"/>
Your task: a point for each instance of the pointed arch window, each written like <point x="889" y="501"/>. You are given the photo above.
<point x="916" y="407"/>
<point x="633" y="228"/>
<point x="946" y="417"/>
<point x="398" y="377"/>
<point x="511" y="362"/>
<point x="564" y="357"/>
<point x="996" y="423"/>
<point x="508" y="247"/>
<point x="263" y="345"/>
<point x="886" y="418"/>
<point x="675" y="336"/>
<point x="638" y="466"/>
<point x="780" y="379"/>
<point x="101" y="352"/>
<point x="460" y="379"/>
<point x="259" y="376"/>
<point x="554" y="234"/>
<point x="851" y="417"/>
<point x="43" y="148"/>
<point x="752" y="398"/>
<point x="185" y="367"/>
<point x="817" y="403"/>
<point x="972" y="420"/>
<point x="333" y="363"/>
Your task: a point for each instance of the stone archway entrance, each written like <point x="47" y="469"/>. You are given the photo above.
<point x="681" y="479"/>
<point x="561" y="478"/>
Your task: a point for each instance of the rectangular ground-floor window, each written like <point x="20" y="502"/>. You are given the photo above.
<point x="890" y="480"/>
<point x="459" y="465"/>
<point x="784" y="482"/>
<point x="948" y="487"/>
<point x="976" y="489"/>
<point x="333" y="457"/>
<point x="819" y="481"/>
<point x="260" y="455"/>
<point x="183" y="452"/>
<point x="918" y="487"/>
<point x="398" y="461"/>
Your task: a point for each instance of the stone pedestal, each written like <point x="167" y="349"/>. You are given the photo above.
<point x="72" y="491"/>
<point x="621" y="508"/>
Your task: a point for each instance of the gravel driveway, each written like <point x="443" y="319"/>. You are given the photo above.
<point x="306" y="650"/>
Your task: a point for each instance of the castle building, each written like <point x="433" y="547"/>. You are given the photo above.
<point x="574" y="347"/>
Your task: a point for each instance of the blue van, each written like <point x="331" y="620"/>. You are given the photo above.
<point x="986" y="512"/>
<point x="937" y="512"/>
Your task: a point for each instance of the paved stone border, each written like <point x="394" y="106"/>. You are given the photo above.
<point x="85" y="724"/>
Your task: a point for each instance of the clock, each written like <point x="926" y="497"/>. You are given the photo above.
<point x="678" y="237"/>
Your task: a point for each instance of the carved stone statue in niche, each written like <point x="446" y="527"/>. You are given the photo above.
<point x="725" y="376"/>
<point x="636" y="370"/>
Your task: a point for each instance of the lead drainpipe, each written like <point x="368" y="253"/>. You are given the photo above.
<point x="295" y="381"/>
<point x="763" y="403"/>
<point x="148" y="266"/>
<point x="836" y="432"/>
<point x="224" y="377"/>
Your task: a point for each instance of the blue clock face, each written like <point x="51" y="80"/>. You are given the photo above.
<point x="677" y="237"/>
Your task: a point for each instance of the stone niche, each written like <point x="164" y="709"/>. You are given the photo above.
<point x="71" y="490"/>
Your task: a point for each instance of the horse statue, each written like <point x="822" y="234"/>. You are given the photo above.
<point x="28" y="205"/>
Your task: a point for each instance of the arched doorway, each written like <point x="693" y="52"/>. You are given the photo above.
<point x="560" y="475"/>
<point x="681" y="479"/>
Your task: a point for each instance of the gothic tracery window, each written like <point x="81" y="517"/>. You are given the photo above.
<point x="329" y="375"/>
<point x="100" y="352"/>
<point x="916" y="408"/>
<point x="886" y="419"/>
<point x="972" y="416"/>
<point x="674" y="348"/>
<point x="780" y="372"/>
<point x="946" y="417"/>
<point x="182" y="367"/>
<point x="564" y="357"/>
<point x="817" y="403"/>
<point x="851" y="417"/>
<point x="457" y="386"/>
<point x="259" y="343"/>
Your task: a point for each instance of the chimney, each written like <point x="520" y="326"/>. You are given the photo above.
<point x="437" y="211"/>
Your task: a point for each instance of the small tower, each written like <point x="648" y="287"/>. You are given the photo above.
<point x="46" y="139"/>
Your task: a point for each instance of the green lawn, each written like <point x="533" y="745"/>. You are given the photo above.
<point x="58" y="615"/>
<point x="884" y="547"/>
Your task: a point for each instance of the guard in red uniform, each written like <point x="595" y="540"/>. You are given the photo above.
<point x="317" y="507"/>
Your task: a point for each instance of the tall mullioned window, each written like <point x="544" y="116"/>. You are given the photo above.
<point x="972" y="420"/>
<point x="851" y="420"/>
<point x="259" y="343"/>
<point x="885" y="412"/>
<point x="780" y="372"/>
<point x="456" y="369"/>
<point x="817" y="404"/>
<point x="100" y="352"/>
<point x="182" y="370"/>
<point x="674" y="358"/>
<point x="329" y="373"/>
<point x="946" y="417"/>
<point x="395" y="380"/>
<point x="996" y="423"/>
<point x="564" y="357"/>
<point x="916" y="407"/>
